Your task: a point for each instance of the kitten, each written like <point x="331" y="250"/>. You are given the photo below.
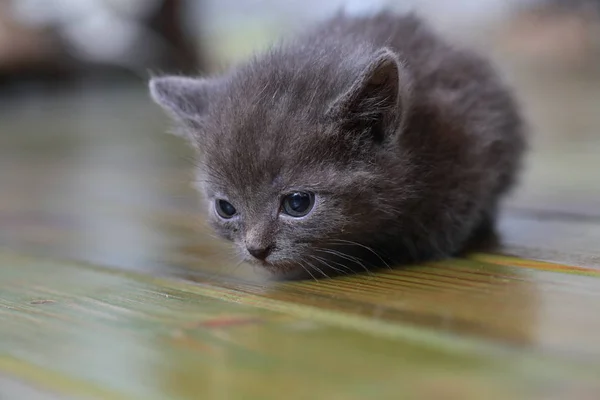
<point x="365" y="142"/>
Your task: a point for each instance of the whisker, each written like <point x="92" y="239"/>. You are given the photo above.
<point x="345" y="256"/>
<point x="338" y="253"/>
<point x="235" y="268"/>
<point x="324" y="261"/>
<point x="304" y="268"/>
<point x="214" y="236"/>
<point x="316" y="268"/>
<point x="365" y="247"/>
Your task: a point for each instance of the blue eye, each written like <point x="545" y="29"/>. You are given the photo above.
<point x="298" y="204"/>
<point x="225" y="209"/>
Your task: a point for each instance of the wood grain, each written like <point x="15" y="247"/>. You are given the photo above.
<point x="79" y="329"/>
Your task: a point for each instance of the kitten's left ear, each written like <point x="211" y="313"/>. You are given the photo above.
<point x="379" y="96"/>
<point x="186" y="99"/>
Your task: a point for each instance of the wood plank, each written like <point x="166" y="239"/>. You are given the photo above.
<point x="571" y="238"/>
<point x="132" y="335"/>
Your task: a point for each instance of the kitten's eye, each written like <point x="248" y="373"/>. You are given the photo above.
<point x="225" y="209"/>
<point x="298" y="204"/>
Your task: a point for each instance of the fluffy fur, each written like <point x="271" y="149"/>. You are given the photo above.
<point x="408" y="143"/>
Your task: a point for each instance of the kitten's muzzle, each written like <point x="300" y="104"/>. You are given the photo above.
<point x="260" y="253"/>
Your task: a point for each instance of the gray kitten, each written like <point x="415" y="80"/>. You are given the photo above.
<point x="364" y="142"/>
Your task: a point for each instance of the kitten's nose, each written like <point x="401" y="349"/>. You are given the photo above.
<point x="260" y="252"/>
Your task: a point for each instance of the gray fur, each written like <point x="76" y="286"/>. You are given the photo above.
<point x="409" y="144"/>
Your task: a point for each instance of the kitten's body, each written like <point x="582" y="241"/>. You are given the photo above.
<point x="407" y="142"/>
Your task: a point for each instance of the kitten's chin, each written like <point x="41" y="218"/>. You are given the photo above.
<point x="282" y="270"/>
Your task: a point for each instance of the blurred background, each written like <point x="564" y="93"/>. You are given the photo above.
<point x="87" y="172"/>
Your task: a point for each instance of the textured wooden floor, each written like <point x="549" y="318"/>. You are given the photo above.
<point x="110" y="286"/>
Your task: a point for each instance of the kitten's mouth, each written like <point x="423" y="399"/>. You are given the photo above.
<point x="275" y="267"/>
<point x="264" y="263"/>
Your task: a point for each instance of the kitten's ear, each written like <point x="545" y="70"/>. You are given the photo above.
<point x="378" y="97"/>
<point x="186" y="99"/>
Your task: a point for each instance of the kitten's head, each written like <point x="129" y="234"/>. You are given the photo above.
<point x="293" y="152"/>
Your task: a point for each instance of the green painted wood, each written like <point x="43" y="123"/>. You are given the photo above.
<point x="87" y="331"/>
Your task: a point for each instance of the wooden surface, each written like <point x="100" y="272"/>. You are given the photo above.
<point x="111" y="286"/>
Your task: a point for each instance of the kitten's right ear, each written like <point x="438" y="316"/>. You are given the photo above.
<point x="186" y="99"/>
